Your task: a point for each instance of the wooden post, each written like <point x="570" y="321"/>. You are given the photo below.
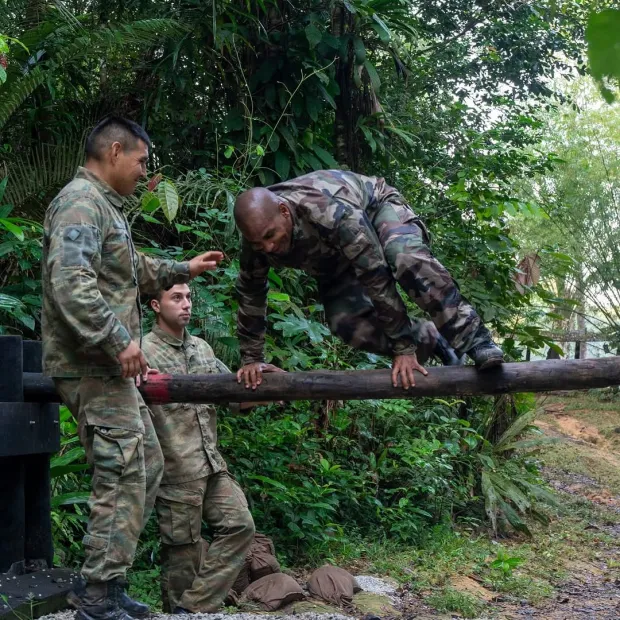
<point x="540" y="376"/>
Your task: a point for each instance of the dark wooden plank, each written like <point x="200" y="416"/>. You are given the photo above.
<point x="11" y="369"/>
<point x="34" y="594"/>
<point x="28" y="428"/>
<point x="12" y="503"/>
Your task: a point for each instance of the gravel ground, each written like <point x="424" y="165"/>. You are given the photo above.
<point x="69" y="615"/>
<point x="366" y="582"/>
<point x="375" y="585"/>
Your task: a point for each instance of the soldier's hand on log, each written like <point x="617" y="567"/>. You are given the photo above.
<point x="145" y="378"/>
<point x="205" y="262"/>
<point x="252" y="374"/>
<point x="132" y="361"/>
<point x="405" y="365"/>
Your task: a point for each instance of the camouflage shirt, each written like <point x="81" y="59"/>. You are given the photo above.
<point x="332" y="213"/>
<point x="92" y="276"/>
<point x="187" y="432"/>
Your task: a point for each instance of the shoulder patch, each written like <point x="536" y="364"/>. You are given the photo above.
<point x="80" y="243"/>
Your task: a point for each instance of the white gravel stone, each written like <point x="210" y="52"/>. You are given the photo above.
<point x="375" y="585"/>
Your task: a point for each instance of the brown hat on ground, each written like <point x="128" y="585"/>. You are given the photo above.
<point x="260" y="561"/>
<point x="333" y="585"/>
<point x="273" y="591"/>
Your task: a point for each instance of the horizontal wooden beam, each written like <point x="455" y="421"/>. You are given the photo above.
<point x="542" y="376"/>
<point x="578" y="335"/>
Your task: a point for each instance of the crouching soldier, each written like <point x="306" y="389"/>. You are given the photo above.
<point x="196" y="484"/>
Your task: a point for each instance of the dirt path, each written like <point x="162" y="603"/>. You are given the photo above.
<point x="592" y="589"/>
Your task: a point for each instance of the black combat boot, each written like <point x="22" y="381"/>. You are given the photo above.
<point x="445" y="353"/>
<point x="485" y="353"/>
<point x="104" y="601"/>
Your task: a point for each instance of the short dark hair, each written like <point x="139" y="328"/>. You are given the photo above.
<point x="114" y="129"/>
<point x="160" y="293"/>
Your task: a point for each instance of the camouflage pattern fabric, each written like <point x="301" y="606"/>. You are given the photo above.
<point x="187" y="432"/>
<point x="351" y="316"/>
<point x="115" y="428"/>
<point x="92" y="276"/>
<point x="357" y="228"/>
<point x="196" y="486"/>
<point x="195" y="576"/>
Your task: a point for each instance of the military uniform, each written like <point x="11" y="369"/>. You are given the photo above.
<point x="196" y="485"/>
<point x="359" y="238"/>
<point x="92" y="276"/>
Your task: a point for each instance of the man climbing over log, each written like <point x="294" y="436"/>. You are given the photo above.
<point x="196" y="484"/>
<point x="92" y="279"/>
<point x="359" y="238"/>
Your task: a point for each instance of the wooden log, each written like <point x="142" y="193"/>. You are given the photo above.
<point x="541" y="376"/>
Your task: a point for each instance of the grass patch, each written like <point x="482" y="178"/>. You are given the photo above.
<point x="450" y="600"/>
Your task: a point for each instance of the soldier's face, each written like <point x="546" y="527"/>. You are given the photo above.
<point x="273" y="235"/>
<point x="129" y="167"/>
<point x="175" y="306"/>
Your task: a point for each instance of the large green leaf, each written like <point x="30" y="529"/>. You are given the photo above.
<point x="168" y="199"/>
<point x="603" y="36"/>
<point x="375" y="80"/>
<point x="283" y="165"/>
<point x="12" y="228"/>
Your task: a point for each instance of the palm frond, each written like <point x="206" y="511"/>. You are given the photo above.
<point x="142" y="32"/>
<point x="515" y="429"/>
<point x="45" y="168"/>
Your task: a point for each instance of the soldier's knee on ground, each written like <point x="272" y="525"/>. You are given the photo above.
<point x="118" y="454"/>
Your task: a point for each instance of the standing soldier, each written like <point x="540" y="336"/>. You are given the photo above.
<point x="92" y="278"/>
<point x="196" y="484"/>
<point x="359" y="238"/>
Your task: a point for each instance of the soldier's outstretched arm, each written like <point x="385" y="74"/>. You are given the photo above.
<point x="155" y="274"/>
<point x="74" y="240"/>
<point x="252" y="288"/>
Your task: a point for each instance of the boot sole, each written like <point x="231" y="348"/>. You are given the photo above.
<point x="75" y="602"/>
<point x="80" y="614"/>
<point x="494" y="362"/>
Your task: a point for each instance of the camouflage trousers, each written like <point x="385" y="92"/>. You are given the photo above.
<point x="115" y="428"/>
<point x="194" y="575"/>
<point x="405" y="242"/>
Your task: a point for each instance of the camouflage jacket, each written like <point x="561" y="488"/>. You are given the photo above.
<point x="92" y="276"/>
<point x="332" y="213"/>
<point x="187" y="432"/>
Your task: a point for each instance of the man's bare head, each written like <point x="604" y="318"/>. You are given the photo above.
<point x="264" y="220"/>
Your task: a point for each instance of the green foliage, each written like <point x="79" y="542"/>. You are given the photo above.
<point x="445" y="103"/>
<point x="506" y="563"/>
<point x="451" y="600"/>
<point x="603" y="36"/>
<point x="20" y="253"/>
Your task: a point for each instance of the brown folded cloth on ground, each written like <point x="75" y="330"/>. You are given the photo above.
<point x="260" y="561"/>
<point x="263" y="564"/>
<point x="273" y="591"/>
<point x="333" y="585"/>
